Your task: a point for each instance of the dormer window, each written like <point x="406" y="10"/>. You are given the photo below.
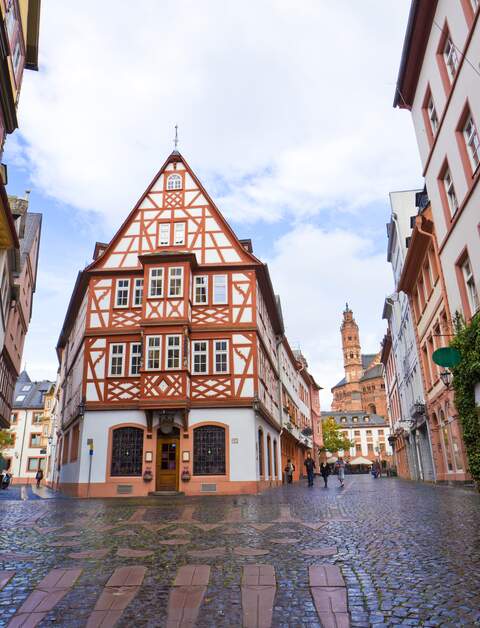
<point x="174" y="182"/>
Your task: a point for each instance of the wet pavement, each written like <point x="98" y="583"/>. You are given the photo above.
<point x="408" y="555"/>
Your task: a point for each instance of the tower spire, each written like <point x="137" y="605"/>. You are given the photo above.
<point x="175" y="139"/>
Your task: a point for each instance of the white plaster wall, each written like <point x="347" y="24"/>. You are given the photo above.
<point x="404" y="347"/>
<point x="274" y="435"/>
<point x="465" y="231"/>
<point x="96" y="425"/>
<point x="241" y="423"/>
<point x="430" y="74"/>
<point x="21" y="452"/>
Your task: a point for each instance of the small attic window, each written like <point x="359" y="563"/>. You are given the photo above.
<point x="174" y="182"/>
<point x="20" y="398"/>
<point x="26" y="387"/>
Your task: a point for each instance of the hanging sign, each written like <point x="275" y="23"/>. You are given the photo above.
<point x="447" y="357"/>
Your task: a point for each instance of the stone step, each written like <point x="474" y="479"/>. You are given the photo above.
<point x="165" y="493"/>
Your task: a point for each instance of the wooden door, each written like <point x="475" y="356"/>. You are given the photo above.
<point x="168" y="450"/>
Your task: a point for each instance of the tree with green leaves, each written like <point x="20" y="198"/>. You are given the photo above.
<point x="6" y="440"/>
<point x="333" y="439"/>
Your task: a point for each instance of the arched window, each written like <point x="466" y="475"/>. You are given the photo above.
<point x="127" y="451"/>
<point x="174" y="182"/>
<point x="275" y="459"/>
<point x="261" y="467"/>
<point x="209" y="450"/>
<point x="269" y="456"/>
<point x="372" y="408"/>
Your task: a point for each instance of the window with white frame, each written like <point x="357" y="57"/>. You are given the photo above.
<point x="432" y="115"/>
<point x="123" y="288"/>
<point x="472" y="293"/>
<point x="11" y="20"/>
<point x="451" y="58"/>
<point x="138" y="292"/>
<point x="153" y="352"/>
<point x="219" y="289"/>
<point x="173" y="351"/>
<point x="174" y="182"/>
<point x="155" y="287"/>
<point x="117" y="358"/>
<point x="135" y="358"/>
<point x="164" y="234"/>
<point x="221" y="356"/>
<point x="450" y="190"/>
<point x="199" y="356"/>
<point x="200" y="290"/>
<point x="17" y="54"/>
<point x="179" y="233"/>
<point x="175" y="282"/>
<point x="473" y="143"/>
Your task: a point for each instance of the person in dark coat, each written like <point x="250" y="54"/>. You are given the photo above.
<point x="289" y="469"/>
<point x="39" y="477"/>
<point x="324" y="472"/>
<point x="310" y="466"/>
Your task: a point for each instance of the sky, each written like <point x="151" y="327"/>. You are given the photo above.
<point x="285" y="113"/>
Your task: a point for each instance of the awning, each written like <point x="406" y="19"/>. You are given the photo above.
<point x="360" y="460"/>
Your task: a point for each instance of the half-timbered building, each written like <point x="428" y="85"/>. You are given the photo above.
<point x="169" y="375"/>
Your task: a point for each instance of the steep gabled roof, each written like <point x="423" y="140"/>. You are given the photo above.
<point x="146" y="202"/>
<point x="30" y="394"/>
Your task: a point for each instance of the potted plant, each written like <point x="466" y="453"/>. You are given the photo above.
<point x="147" y="475"/>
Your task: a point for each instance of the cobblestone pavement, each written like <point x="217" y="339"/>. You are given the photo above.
<point x="409" y="554"/>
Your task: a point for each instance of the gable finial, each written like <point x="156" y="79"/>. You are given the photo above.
<point x="175" y="141"/>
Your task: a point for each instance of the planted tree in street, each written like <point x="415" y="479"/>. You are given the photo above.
<point x="333" y="439"/>
<point x="6" y="440"/>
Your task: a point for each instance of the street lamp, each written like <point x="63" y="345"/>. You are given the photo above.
<point x="446" y="377"/>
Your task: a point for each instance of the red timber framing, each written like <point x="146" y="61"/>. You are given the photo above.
<point x="178" y="288"/>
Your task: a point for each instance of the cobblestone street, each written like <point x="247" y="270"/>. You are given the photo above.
<point x="409" y="555"/>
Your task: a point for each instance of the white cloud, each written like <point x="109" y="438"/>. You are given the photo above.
<point x="287" y="104"/>
<point x="316" y="272"/>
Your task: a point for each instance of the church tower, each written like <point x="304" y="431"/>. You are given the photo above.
<point x="352" y="359"/>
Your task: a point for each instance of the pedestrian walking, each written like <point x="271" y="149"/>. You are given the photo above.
<point x="39" y="477"/>
<point x="289" y="469"/>
<point x="340" y="468"/>
<point x="310" y="466"/>
<point x="324" y="472"/>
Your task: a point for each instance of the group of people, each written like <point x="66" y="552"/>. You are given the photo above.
<point x="310" y="467"/>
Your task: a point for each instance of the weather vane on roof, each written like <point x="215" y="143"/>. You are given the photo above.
<point x="175" y="141"/>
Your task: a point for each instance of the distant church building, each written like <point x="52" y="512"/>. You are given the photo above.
<point x="362" y="389"/>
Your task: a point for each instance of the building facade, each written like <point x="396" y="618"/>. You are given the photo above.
<point x="31" y="449"/>
<point x="437" y="83"/>
<point x="300" y="409"/>
<point x="405" y="391"/>
<point x="169" y="375"/>
<point x="422" y="280"/>
<point x="19" y="31"/>
<point x="362" y="389"/>
<point x="369" y="434"/>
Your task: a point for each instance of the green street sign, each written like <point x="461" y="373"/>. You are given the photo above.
<point x="447" y="357"/>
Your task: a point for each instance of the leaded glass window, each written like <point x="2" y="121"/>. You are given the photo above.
<point x="127" y="451"/>
<point x="209" y="450"/>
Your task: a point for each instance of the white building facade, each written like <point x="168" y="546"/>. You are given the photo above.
<point x="438" y="83"/>
<point x="31" y="448"/>
<point x="410" y="423"/>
